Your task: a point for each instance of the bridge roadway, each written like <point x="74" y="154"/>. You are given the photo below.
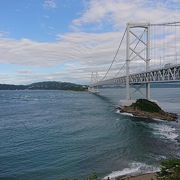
<point x="161" y="75"/>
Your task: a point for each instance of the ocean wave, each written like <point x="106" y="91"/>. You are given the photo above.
<point x="124" y="113"/>
<point x="156" y="119"/>
<point x="127" y="114"/>
<point x="164" y="131"/>
<point x="134" y="169"/>
<point x="161" y="130"/>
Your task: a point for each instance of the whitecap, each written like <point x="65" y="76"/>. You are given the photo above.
<point x="127" y="114"/>
<point x="118" y="111"/>
<point x="164" y="131"/>
<point x="134" y="169"/>
<point x="156" y="119"/>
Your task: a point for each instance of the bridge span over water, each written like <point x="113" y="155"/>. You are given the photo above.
<point x="138" y="47"/>
<point x="164" y="75"/>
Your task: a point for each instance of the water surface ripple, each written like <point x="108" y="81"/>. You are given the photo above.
<point x="56" y="134"/>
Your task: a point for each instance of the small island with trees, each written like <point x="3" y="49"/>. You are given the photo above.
<point x="148" y="109"/>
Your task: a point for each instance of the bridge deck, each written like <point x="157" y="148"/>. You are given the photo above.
<point x="161" y="75"/>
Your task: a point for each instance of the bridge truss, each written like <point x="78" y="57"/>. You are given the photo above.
<point x="164" y="75"/>
<point x="138" y="41"/>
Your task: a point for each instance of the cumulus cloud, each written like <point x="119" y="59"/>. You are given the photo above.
<point x="119" y="12"/>
<point x="82" y="48"/>
<point x="49" y="4"/>
<point x="3" y="34"/>
<point x="23" y="77"/>
<point x="80" y="52"/>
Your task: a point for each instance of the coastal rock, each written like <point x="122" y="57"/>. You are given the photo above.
<point x="148" y="109"/>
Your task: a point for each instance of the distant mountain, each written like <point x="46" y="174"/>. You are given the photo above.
<point x="55" y="85"/>
<point x="12" y="87"/>
<point x="47" y="85"/>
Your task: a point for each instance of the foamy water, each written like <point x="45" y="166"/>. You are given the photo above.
<point x="134" y="169"/>
<point x="164" y="131"/>
<point x="126" y="114"/>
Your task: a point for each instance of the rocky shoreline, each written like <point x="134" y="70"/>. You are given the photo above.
<point x="146" y="176"/>
<point x="147" y="109"/>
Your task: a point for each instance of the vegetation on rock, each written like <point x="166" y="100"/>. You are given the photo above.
<point x="170" y="170"/>
<point x="146" y="105"/>
<point x="148" y="109"/>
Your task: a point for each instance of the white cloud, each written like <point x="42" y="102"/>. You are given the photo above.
<point x="81" y="48"/>
<point x="118" y="12"/>
<point x="81" y="52"/>
<point x="49" y="4"/>
<point x="3" y="34"/>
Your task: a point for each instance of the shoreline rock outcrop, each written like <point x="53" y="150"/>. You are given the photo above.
<point x="148" y="109"/>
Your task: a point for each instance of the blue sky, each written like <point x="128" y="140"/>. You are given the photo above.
<point x="65" y="40"/>
<point x="34" y="20"/>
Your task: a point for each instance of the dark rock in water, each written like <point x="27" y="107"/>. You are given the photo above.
<point x="148" y="109"/>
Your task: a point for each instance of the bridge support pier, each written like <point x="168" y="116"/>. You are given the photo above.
<point x="148" y="91"/>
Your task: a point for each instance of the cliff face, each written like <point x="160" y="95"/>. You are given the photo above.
<point x="148" y="109"/>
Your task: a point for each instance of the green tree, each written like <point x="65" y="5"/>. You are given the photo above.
<point x="170" y="170"/>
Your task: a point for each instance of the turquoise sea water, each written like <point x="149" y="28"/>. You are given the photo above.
<point x="56" y="134"/>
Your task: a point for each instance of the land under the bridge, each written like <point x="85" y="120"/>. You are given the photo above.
<point x="148" y="109"/>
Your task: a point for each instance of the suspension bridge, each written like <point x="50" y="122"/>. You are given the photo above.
<point x="147" y="53"/>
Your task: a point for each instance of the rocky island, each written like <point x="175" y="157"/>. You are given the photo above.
<point x="148" y="109"/>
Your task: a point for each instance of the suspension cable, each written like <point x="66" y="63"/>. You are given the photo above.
<point x="120" y="70"/>
<point x="115" y="55"/>
<point x="114" y="58"/>
<point x="167" y="24"/>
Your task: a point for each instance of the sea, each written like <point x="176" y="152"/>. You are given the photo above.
<point x="51" y="135"/>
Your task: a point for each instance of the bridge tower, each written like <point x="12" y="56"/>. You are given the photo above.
<point x="140" y="49"/>
<point x="94" y="80"/>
